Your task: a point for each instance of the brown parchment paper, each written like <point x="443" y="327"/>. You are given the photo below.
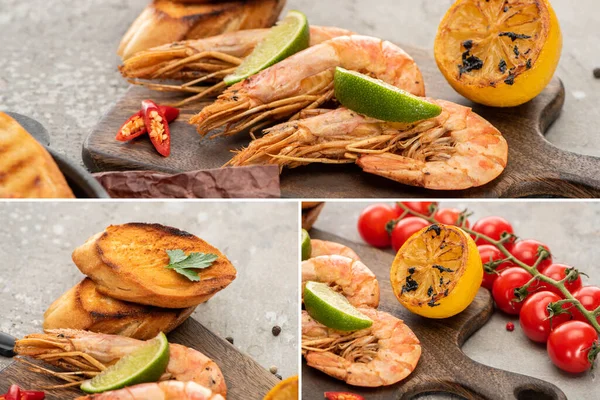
<point x="239" y="182"/>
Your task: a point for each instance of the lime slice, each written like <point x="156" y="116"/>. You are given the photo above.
<point x="332" y="309"/>
<point x="378" y="99"/>
<point x="306" y="248"/>
<point x="144" y="365"/>
<point x="288" y="37"/>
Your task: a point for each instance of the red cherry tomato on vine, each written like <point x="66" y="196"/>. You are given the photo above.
<point x="421" y="207"/>
<point x="493" y="227"/>
<point x="405" y="228"/>
<point x="527" y="251"/>
<point x="504" y="287"/>
<point x="449" y="216"/>
<point x="589" y="297"/>
<point x="535" y="317"/>
<point x="372" y="224"/>
<point x="557" y="272"/>
<point x="572" y="345"/>
<point x="488" y="254"/>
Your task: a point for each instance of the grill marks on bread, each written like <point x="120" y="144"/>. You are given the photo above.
<point x="27" y="170"/>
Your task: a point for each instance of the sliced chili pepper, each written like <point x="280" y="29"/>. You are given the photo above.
<point x="342" y="396"/>
<point x="158" y="128"/>
<point x="32" y="395"/>
<point x="136" y="127"/>
<point x="132" y="128"/>
<point x="14" y="393"/>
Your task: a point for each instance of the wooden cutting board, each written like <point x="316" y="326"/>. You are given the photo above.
<point x="443" y="366"/>
<point x="245" y="378"/>
<point x="535" y="166"/>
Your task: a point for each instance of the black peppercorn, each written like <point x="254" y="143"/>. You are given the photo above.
<point x="597" y="73"/>
<point x="276" y="330"/>
<point x="229" y="339"/>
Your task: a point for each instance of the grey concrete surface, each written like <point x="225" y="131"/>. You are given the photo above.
<point x="260" y="239"/>
<point x="570" y="229"/>
<point x="58" y="61"/>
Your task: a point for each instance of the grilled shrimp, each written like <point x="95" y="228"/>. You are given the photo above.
<point x="326" y="248"/>
<point x="383" y="354"/>
<point x="455" y="150"/>
<point x="90" y="353"/>
<point x="204" y="60"/>
<point x="305" y="81"/>
<point x="168" y="390"/>
<point x="350" y="277"/>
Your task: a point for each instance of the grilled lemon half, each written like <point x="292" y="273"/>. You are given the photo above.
<point x="437" y="272"/>
<point x="284" y="390"/>
<point x="500" y="53"/>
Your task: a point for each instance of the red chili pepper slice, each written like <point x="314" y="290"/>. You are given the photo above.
<point x="32" y="395"/>
<point x="136" y="127"/>
<point x="14" y="393"/>
<point x="158" y="128"/>
<point x="342" y="396"/>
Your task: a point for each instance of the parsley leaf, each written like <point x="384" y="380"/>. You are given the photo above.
<point x="188" y="273"/>
<point x="187" y="264"/>
<point x="176" y="256"/>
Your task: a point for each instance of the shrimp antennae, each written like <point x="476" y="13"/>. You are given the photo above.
<point x="202" y="61"/>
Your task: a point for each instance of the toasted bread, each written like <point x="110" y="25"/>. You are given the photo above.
<point x="27" y="170"/>
<point x="310" y="215"/>
<point x="306" y="205"/>
<point x="127" y="262"/>
<point x="83" y="307"/>
<point x="164" y="21"/>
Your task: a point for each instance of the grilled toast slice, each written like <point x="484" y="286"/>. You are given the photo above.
<point x="127" y="262"/>
<point x="27" y="170"/>
<point x="164" y="21"/>
<point x="83" y="307"/>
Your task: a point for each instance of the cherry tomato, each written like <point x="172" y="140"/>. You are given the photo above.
<point x="421" y="207"/>
<point x="571" y="345"/>
<point x="405" y="228"/>
<point x="589" y="297"/>
<point x="342" y="396"/>
<point x="488" y="254"/>
<point x="534" y="316"/>
<point x="527" y="251"/>
<point x="504" y="287"/>
<point x="449" y="216"/>
<point x="557" y="272"/>
<point x="372" y="224"/>
<point x="493" y="227"/>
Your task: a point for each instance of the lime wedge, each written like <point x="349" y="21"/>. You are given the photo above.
<point x="332" y="309"/>
<point x="306" y="248"/>
<point x="144" y="365"/>
<point x="378" y="99"/>
<point x="288" y="37"/>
